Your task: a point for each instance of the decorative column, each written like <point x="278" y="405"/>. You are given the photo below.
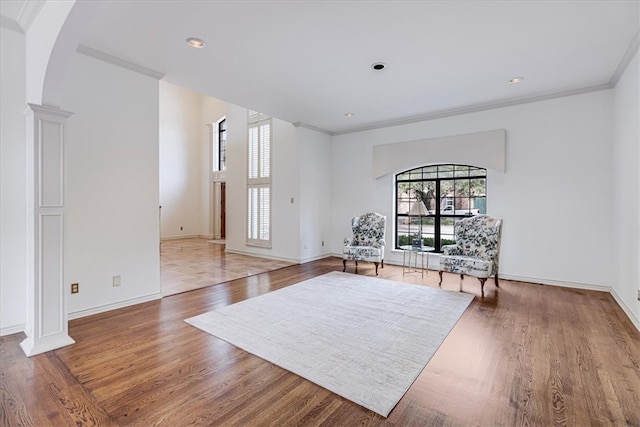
<point x="47" y="325"/>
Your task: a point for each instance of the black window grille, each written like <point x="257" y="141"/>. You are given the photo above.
<point x="448" y="193"/>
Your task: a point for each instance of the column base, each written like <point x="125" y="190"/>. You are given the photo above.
<point x="52" y="342"/>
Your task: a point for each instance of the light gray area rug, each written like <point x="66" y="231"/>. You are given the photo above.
<point x="363" y="338"/>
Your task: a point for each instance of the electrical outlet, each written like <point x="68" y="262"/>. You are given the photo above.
<point x="180" y="228"/>
<point x="323" y="243"/>
<point x="117" y="281"/>
<point x="75" y="288"/>
<point x="638" y="294"/>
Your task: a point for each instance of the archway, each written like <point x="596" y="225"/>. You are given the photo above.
<point x="50" y="44"/>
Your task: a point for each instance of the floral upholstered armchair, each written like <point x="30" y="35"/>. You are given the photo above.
<point x="367" y="243"/>
<point x="476" y="250"/>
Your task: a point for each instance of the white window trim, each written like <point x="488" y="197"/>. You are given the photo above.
<point x="215" y="138"/>
<point x="257" y="120"/>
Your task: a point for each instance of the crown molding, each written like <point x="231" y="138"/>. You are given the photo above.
<point x="29" y="12"/>
<point x="634" y="44"/>
<point x="311" y="127"/>
<point x="25" y="18"/>
<point x="10" y="24"/>
<point x="119" y="62"/>
<point x="473" y="109"/>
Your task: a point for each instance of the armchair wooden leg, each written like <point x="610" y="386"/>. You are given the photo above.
<point x="356" y="266"/>
<point x="440" y="283"/>
<point x="382" y="263"/>
<point x="497" y="286"/>
<point x="482" y="286"/>
<point x="376" y="264"/>
<point x="344" y="265"/>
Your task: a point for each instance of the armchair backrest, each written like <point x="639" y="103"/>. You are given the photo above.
<point x="479" y="236"/>
<point x="368" y="229"/>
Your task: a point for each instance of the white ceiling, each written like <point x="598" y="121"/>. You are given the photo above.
<point x="309" y="62"/>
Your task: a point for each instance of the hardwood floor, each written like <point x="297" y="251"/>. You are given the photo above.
<point x="525" y="355"/>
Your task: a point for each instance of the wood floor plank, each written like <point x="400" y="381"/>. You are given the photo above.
<point x="194" y="263"/>
<point x="525" y="355"/>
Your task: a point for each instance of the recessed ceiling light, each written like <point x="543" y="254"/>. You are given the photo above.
<point x="516" y="80"/>
<point x="349" y="114"/>
<point x="378" y="66"/>
<point x="195" y="42"/>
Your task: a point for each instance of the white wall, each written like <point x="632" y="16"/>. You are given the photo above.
<point x="301" y="171"/>
<point x="556" y="193"/>
<point x="572" y="179"/>
<point x="315" y="193"/>
<point x="41" y="43"/>
<point x="286" y="170"/>
<point x="180" y="161"/>
<point x="185" y="160"/>
<point x="111" y="163"/>
<point x="13" y="198"/>
<point x="626" y="189"/>
<point x="236" y="189"/>
<point x="211" y="111"/>
<point x="285" y="219"/>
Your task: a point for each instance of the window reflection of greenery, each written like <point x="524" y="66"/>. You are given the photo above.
<point x="456" y="182"/>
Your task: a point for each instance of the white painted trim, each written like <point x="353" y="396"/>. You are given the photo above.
<point x="626" y="59"/>
<point x="118" y="62"/>
<point x="560" y="283"/>
<point x="189" y="236"/>
<point x="311" y="127"/>
<point x="434" y="262"/>
<point x="626" y="309"/>
<point x="472" y="109"/>
<point x="29" y="13"/>
<point x="255" y="255"/>
<point x="46" y="253"/>
<point x="26" y="17"/>
<point x="113" y="306"/>
<point x="315" y="258"/>
<point x="44" y="344"/>
<point x="47" y="112"/>
<point x="10" y="24"/>
<point x="13" y="329"/>
<point x="46" y="324"/>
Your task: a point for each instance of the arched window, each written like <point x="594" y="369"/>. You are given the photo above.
<point x="431" y="199"/>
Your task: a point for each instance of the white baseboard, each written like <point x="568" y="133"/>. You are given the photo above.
<point x="626" y="309"/>
<point x="563" y="284"/>
<point x="13" y="329"/>
<point x="547" y="282"/>
<point x="188" y="236"/>
<point x="252" y="254"/>
<point x="113" y="306"/>
<point x="315" y="258"/>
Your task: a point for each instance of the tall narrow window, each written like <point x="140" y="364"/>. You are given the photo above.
<point x="222" y="145"/>
<point x="259" y="180"/>
<point x="258" y="227"/>
<point x="448" y="192"/>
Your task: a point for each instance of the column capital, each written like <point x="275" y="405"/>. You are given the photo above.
<point x="46" y="110"/>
